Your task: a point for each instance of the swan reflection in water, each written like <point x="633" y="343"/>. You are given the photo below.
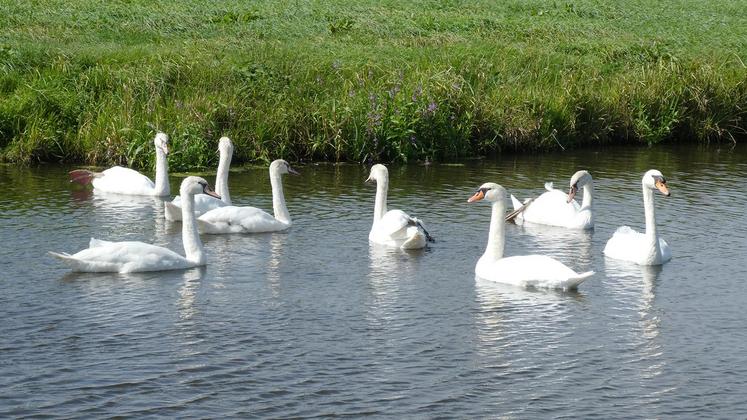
<point x="572" y="246"/>
<point x="635" y="286"/>
<point x="388" y="268"/>
<point x="192" y="278"/>
<point x="506" y="313"/>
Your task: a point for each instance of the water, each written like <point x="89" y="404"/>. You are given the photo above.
<point x="315" y="322"/>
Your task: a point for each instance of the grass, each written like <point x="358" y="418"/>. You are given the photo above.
<point x="92" y="81"/>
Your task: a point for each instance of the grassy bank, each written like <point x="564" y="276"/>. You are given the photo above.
<point x="91" y="81"/>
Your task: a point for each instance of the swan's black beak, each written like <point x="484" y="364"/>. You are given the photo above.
<point x="293" y="171"/>
<point x="572" y="193"/>
<point x="207" y="190"/>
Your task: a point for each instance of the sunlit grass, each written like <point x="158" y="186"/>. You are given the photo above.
<point x="364" y="80"/>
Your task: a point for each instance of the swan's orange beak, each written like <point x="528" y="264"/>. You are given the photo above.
<point x="479" y="195"/>
<point x="662" y="186"/>
<point x="572" y="193"/>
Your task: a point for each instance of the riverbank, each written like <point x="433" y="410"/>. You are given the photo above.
<point x="364" y="81"/>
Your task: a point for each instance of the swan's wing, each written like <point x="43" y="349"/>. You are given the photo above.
<point x="203" y="204"/>
<point x="124" y="257"/>
<point x="93" y="243"/>
<point x="533" y="270"/>
<point x="666" y="252"/>
<point x="625" y="244"/>
<point x="552" y="208"/>
<point x="395" y="222"/>
<point x="233" y="219"/>
<point x="124" y="181"/>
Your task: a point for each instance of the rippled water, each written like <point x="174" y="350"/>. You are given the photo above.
<point x="315" y="322"/>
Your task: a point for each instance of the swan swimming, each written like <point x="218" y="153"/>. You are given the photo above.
<point x="135" y="256"/>
<point x="556" y="208"/>
<point x="642" y="248"/>
<point x="119" y="180"/>
<point x="233" y="219"/>
<point x="526" y="270"/>
<point x="393" y="228"/>
<point x="204" y="202"/>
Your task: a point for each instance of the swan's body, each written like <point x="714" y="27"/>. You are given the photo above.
<point x="393" y="228"/>
<point x="119" y="180"/>
<point x="642" y="248"/>
<point x="555" y="208"/>
<point x="203" y="202"/>
<point x="526" y="271"/>
<point x="233" y="219"/>
<point x="133" y="256"/>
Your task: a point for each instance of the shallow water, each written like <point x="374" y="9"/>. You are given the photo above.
<point x="315" y="322"/>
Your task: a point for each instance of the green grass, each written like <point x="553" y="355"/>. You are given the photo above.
<point x="92" y="81"/>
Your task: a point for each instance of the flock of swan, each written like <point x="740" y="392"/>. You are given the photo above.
<point x="201" y="210"/>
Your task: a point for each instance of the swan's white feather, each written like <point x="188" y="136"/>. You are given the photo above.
<point x="123" y="257"/>
<point x="121" y="180"/>
<point x="629" y="245"/>
<point x="203" y="204"/>
<point x="233" y="219"/>
<point x="552" y="208"/>
<point x="538" y="271"/>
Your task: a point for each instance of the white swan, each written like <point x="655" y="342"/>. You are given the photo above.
<point x="119" y="180"/>
<point x="133" y="256"/>
<point x="233" y="219"/>
<point x="556" y="208"/>
<point x="527" y="270"/>
<point x="642" y="248"/>
<point x="393" y="228"/>
<point x="203" y="202"/>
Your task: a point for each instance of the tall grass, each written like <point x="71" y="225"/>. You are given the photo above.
<point x="364" y="80"/>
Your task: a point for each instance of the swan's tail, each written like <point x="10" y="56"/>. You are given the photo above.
<point x="68" y="259"/>
<point x="172" y="212"/>
<point x="548" y="186"/>
<point x="573" y="282"/>
<point x="518" y="208"/>
<point x="81" y="176"/>
<point x="419" y="223"/>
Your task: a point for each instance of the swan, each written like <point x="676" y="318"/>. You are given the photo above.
<point x="233" y="219"/>
<point x="119" y="180"/>
<point x="526" y="270"/>
<point x="133" y="256"/>
<point x="556" y="208"/>
<point x="393" y="228"/>
<point x="642" y="248"/>
<point x="204" y="202"/>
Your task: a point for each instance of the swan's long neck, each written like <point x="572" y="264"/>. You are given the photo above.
<point x="162" y="174"/>
<point x="221" y="178"/>
<point x="382" y="186"/>
<point x="193" y="250"/>
<point x="497" y="236"/>
<point x="648" y="205"/>
<point x="278" y="199"/>
<point x="588" y="192"/>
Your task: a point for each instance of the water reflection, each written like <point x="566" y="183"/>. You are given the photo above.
<point x="568" y="245"/>
<point x="191" y="280"/>
<point x="637" y="285"/>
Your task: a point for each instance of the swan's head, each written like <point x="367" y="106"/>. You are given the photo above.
<point x="282" y="167"/>
<point x="193" y="185"/>
<point x="225" y="146"/>
<point x="378" y="173"/>
<point x="654" y="180"/>
<point x="162" y="142"/>
<point x="578" y="180"/>
<point x="489" y="191"/>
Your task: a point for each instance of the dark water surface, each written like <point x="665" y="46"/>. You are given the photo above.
<point x="315" y="322"/>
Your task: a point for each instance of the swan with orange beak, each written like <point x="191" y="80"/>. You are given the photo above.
<point x="642" y="248"/>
